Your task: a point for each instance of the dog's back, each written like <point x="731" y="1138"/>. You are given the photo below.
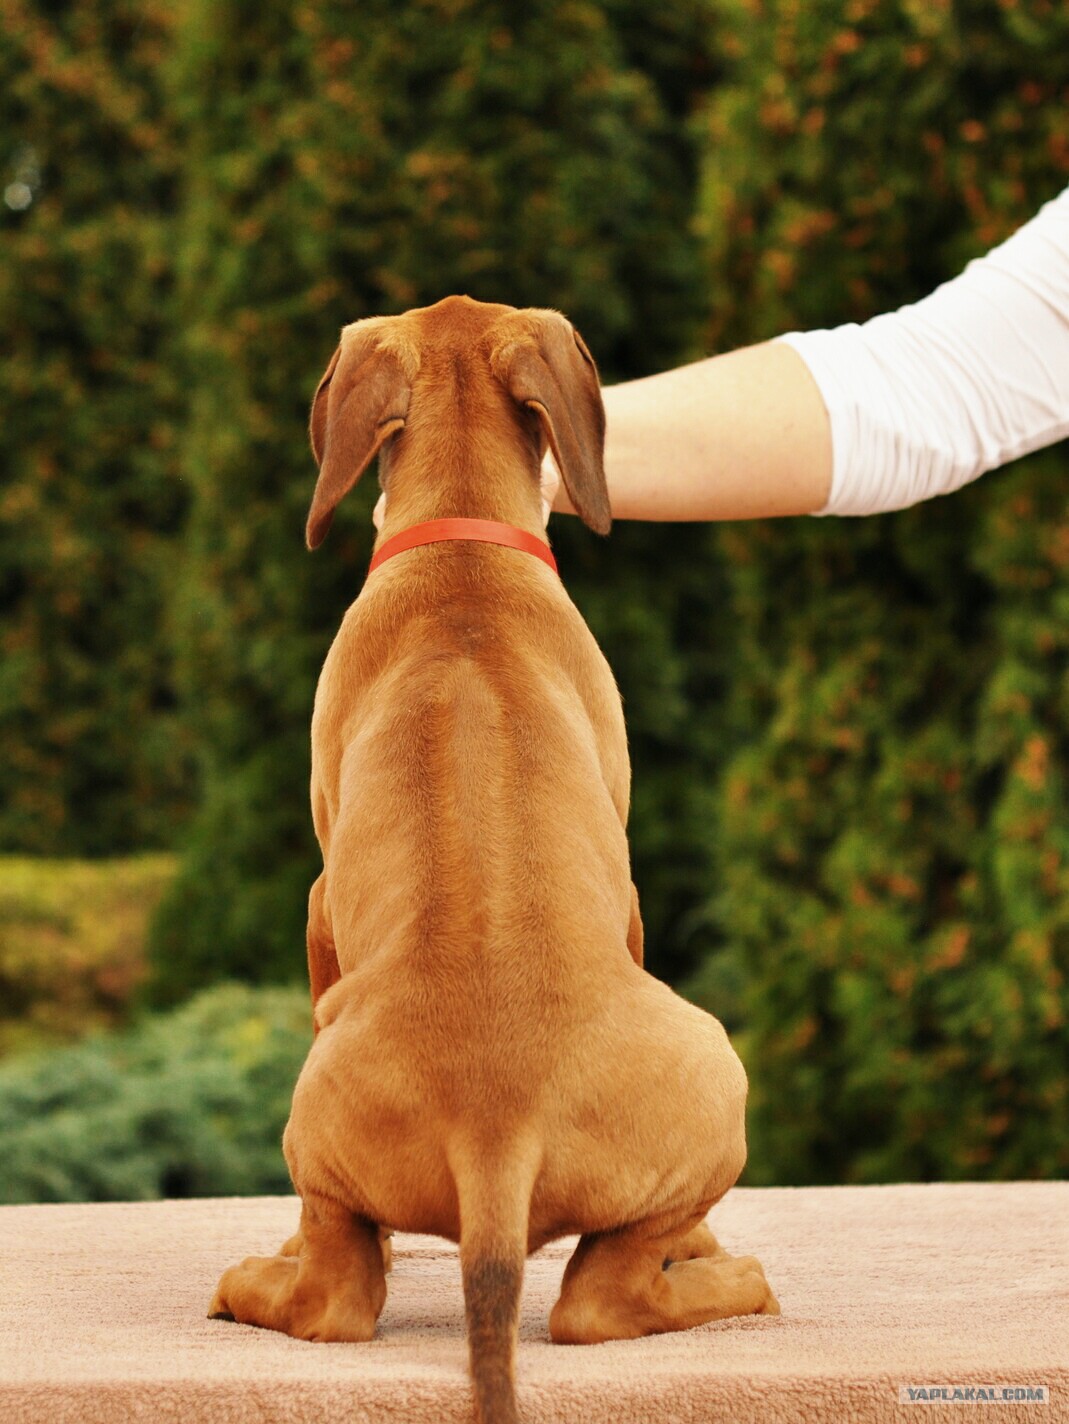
<point x="472" y="779"/>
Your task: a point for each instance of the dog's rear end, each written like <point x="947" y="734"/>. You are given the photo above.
<point x="492" y="1065"/>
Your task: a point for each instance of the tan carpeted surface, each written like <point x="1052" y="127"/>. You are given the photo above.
<point x="103" y="1319"/>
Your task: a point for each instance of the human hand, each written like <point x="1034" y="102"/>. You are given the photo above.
<point x="549" y="484"/>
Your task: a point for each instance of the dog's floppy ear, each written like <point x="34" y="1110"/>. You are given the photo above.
<point x="552" y="372"/>
<point x="361" y="401"/>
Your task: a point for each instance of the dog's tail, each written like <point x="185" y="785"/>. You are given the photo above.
<point x="494" y="1185"/>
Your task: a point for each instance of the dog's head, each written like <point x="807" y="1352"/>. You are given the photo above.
<point x="460" y="386"/>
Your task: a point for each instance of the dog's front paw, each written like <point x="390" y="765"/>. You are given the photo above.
<point x="256" y="1292"/>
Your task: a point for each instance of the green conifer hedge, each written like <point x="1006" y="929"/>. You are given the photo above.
<point x="894" y="881"/>
<point x="93" y="760"/>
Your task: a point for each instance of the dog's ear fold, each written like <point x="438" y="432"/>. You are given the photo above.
<point x="361" y="401"/>
<point x="552" y="372"/>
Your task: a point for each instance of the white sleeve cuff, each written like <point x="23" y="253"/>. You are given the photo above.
<point x="927" y="398"/>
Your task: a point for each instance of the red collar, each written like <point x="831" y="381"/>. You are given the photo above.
<point x="482" y="531"/>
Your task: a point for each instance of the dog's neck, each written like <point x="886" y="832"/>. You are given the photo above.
<point x="509" y="492"/>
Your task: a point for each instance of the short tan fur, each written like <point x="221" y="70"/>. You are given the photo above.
<point x="492" y="1064"/>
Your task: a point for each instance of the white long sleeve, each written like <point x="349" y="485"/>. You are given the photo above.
<point x="924" y="399"/>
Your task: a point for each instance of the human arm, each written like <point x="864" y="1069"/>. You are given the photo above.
<point x="912" y="404"/>
<point x="737" y="436"/>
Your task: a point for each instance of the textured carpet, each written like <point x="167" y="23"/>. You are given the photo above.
<point x="102" y="1319"/>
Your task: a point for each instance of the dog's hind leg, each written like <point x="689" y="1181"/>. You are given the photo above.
<point x="323" y="969"/>
<point x="697" y="1243"/>
<point x="292" y="1246"/>
<point x="617" y="1285"/>
<point x="334" y="1288"/>
<point x="635" y="935"/>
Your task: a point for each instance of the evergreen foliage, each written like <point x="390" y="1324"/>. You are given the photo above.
<point x="190" y="1103"/>
<point x="93" y="758"/>
<point x="894" y="875"/>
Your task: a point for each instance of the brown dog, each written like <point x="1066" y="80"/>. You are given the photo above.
<point x="492" y="1065"/>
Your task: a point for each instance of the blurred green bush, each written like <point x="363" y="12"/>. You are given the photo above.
<point x="190" y="1103"/>
<point x="893" y="887"/>
<point x="72" y="944"/>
